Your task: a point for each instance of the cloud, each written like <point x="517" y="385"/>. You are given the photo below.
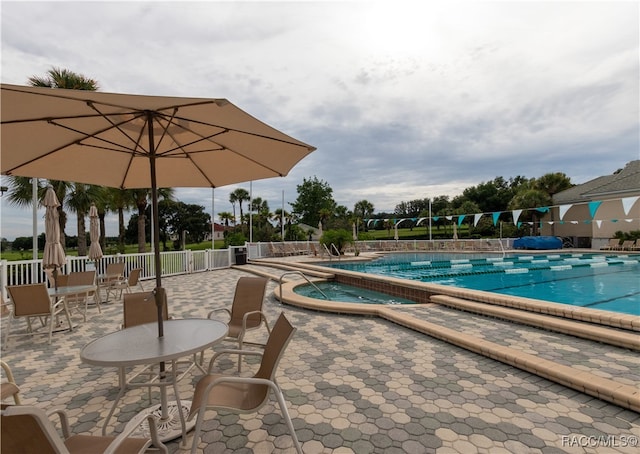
<point x="403" y="100"/>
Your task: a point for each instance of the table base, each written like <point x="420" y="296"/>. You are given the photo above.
<point x="170" y="428"/>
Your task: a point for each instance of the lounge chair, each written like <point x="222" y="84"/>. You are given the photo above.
<point x="9" y="387"/>
<point x="611" y="245"/>
<point x="626" y="245"/>
<point x="33" y="301"/>
<point x="27" y="429"/>
<point x="636" y="245"/>
<point x="245" y="394"/>
<point x="246" y="311"/>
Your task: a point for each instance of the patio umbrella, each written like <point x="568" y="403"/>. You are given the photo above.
<point x="139" y="142"/>
<point x="54" y="256"/>
<point x="95" y="251"/>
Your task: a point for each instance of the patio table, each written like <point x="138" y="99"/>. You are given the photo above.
<point x="140" y="345"/>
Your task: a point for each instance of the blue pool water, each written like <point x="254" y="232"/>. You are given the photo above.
<point x="597" y="281"/>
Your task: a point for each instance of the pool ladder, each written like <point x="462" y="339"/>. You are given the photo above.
<point x="305" y="278"/>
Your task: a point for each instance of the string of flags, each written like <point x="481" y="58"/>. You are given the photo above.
<point x="627" y="204"/>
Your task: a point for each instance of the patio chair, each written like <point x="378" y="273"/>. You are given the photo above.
<point x="80" y="301"/>
<point x="245" y="394"/>
<point x="8" y="387"/>
<point x="28" y="429"/>
<point x="139" y="308"/>
<point x="246" y="311"/>
<point x="113" y="276"/>
<point x="33" y="301"/>
<point x="61" y="278"/>
<point x="128" y="284"/>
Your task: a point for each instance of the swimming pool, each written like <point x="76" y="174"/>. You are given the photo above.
<point x="606" y="282"/>
<point x="335" y="291"/>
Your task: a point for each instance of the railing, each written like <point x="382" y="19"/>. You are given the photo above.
<point x="19" y="272"/>
<point x="300" y="273"/>
<point x="290" y="248"/>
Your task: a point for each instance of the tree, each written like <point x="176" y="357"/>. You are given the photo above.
<point x="226" y="217"/>
<point x="313" y="196"/>
<point x="140" y="197"/>
<point x="117" y="200"/>
<point x="64" y="78"/>
<point x="363" y="209"/>
<point x="239" y="195"/>
<point x="178" y="217"/>
<point x="529" y="196"/>
<point x="552" y="183"/>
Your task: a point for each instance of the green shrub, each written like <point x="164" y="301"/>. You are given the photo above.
<point x="235" y="239"/>
<point x="339" y="237"/>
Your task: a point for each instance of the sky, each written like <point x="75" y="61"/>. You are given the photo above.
<point x="403" y="100"/>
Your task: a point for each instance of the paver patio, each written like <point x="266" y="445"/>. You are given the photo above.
<point x="357" y="384"/>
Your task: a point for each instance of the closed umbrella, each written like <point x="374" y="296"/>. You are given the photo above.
<point x="54" y="256"/>
<point x="319" y="229"/>
<point x="455" y="231"/>
<point x="95" y="251"/>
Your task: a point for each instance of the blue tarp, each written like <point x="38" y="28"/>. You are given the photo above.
<point x="538" y="242"/>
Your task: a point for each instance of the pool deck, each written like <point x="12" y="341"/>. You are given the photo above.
<point x="413" y="379"/>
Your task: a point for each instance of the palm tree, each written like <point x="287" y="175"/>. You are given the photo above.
<point x="239" y="195"/>
<point x="226" y="217"/>
<point x="363" y="209"/>
<point x="63" y="78"/>
<point x="140" y="198"/>
<point x="325" y="214"/>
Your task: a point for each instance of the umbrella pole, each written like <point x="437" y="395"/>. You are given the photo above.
<point x="160" y="295"/>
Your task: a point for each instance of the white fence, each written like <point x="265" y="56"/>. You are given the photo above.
<point x="19" y="272"/>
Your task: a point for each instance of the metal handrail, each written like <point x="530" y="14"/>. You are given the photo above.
<point x="305" y="278"/>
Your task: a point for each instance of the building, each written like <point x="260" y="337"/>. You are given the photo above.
<point x="591" y="213"/>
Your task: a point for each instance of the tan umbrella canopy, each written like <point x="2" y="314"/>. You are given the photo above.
<point x="54" y="256"/>
<point x="95" y="251"/>
<point x="139" y="142"/>
<point x="455" y="231"/>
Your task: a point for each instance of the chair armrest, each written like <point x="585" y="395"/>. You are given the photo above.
<point x="219" y="310"/>
<point x="64" y="421"/>
<point x="248" y="314"/>
<point x="133" y="426"/>
<point x="232" y="352"/>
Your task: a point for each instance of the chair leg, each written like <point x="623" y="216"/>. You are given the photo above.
<point x="6" y="334"/>
<point x="198" y="428"/>
<point x="287" y="418"/>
